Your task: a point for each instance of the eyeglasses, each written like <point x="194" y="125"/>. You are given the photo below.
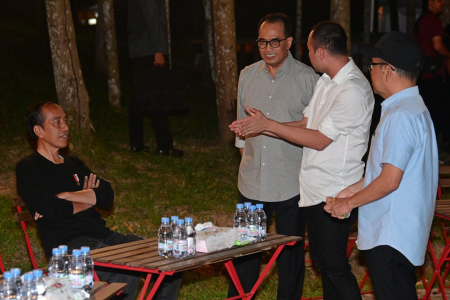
<point x="274" y="43"/>
<point x="370" y="65"/>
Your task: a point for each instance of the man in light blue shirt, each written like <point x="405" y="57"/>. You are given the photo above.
<point x="398" y="194"/>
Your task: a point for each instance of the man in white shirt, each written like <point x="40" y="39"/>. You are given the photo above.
<point x="334" y="133"/>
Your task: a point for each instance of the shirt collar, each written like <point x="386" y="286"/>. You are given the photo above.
<point x="395" y="99"/>
<point x="285" y="68"/>
<point x="342" y="75"/>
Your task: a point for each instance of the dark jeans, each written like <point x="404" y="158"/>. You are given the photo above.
<point x="328" y="238"/>
<point x="160" y="120"/>
<point x="290" y="220"/>
<point x="392" y="274"/>
<point x="168" y="289"/>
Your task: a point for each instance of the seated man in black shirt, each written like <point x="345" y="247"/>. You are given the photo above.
<point x="62" y="193"/>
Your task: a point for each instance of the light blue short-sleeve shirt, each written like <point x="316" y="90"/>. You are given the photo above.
<point x="404" y="138"/>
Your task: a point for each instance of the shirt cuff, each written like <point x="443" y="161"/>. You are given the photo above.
<point x="240" y="142"/>
<point x="306" y="112"/>
<point x="327" y="128"/>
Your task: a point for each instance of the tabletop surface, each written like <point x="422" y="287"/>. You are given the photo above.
<point x="144" y="254"/>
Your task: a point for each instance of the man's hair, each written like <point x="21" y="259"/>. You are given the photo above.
<point x="331" y="37"/>
<point x="36" y="117"/>
<point x="278" y="18"/>
<point x="413" y="76"/>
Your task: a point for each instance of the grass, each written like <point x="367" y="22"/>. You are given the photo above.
<point x="147" y="187"/>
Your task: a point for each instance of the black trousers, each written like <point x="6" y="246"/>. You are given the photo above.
<point x="328" y="238"/>
<point x="168" y="289"/>
<point x="393" y="275"/>
<point x="290" y="220"/>
<point x="160" y="120"/>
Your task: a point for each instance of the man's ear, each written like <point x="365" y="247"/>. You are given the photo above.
<point x="38" y="130"/>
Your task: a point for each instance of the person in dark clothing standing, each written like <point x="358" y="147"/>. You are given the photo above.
<point x="62" y="193"/>
<point x="429" y="33"/>
<point x="148" y="49"/>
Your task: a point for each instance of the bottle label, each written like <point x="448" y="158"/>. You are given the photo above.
<point x="263" y="230"/>
<point x="181" y="245"/>
<point x="167" y="246"/>
<point x="190" y="245"/>
<point x="241" y="230"/>
<point x="252" y="230"/>
<point x="76" y="280"/>
<point x="88" y="279"/>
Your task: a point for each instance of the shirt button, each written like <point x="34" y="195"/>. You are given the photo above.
<point x="270" y="97"/>
<point x="264" y="147"/>
<point x="273" y="80"/>
<point x="264" y="164"/>
<point x="267" y="114"/>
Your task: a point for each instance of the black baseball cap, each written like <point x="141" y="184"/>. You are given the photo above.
<point x="398" y="49"/>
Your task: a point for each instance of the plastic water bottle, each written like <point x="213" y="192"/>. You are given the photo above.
<point x="16" y="277"/>
<point x="173" y="223"/>
<point x="8" y="289"/>
<point x="262" y="222"/>
<point x="252" y="222"/>
<point x="88" y="268"/>
<point x="180" y="240"/>
<point x="76" y="277"/>
<point x="191" y="241"/>
<point x="56" y="265"/>
<point x="66" y="259"/>
<point x="246" y="206"/>
<point x="240" y="220"/>
<point x="40" y="284"/>
<point x="165" y="239"/>
<point x="28" y="291"/>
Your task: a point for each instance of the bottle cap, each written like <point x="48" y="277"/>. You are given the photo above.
<point x="85" y="250"/>
<point x="164" y="220"/>
<point x="188" y="219"/>
<point x="247" y="204"/>
<point x="63" y="248"/>
<point x="180" y="222"/>
<point x="259" y="206"/>
<point x="173" y="218"/>
<point x="28" y="276"/>
<point x="56" y="251"/>
<point x="240" y="205"/>
<point x="15" y="271"/>
<point x="76" y="252"/>
<point x="252" y="207"/>
<point x="38" y="273"/>
<point x="7" y="275"/>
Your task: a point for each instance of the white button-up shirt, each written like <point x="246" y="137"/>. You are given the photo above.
<point x="341" y="109"/>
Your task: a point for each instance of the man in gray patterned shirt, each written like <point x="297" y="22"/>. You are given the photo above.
<point x="281" y="87"/>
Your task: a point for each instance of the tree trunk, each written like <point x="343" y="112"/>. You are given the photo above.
<point x="340" y="13"/>
<point x="70" y="89"/>
<point x="410" y="16"/>
<point x="367" y="20"/>
<point x="210" y="37"/>
<point x="393" y="12"/>
<point x="226" y="66"/>
<point x="111" y="53"/>
<point x="100" y="47"/>
<point x="298" y="31"/>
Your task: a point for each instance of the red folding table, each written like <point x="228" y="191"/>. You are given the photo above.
<point x="142" y="256"/>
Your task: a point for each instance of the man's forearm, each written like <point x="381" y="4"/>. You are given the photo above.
<point x="299" y="135"/>
<point x="84" y="196"/>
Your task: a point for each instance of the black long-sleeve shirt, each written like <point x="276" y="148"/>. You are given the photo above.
<point x="38" y="182"/>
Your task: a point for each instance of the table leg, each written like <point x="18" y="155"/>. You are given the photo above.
<point x="156" y="285"/>
<point x="146" y="283"/>
<point x="234" y="277"/>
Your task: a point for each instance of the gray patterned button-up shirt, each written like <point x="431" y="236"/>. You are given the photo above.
<point x="270" y="167"/>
